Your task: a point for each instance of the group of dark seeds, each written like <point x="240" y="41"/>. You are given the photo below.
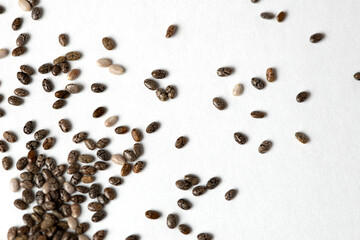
<point x="43" y="181"/>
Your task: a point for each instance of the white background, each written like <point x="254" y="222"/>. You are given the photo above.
<point x="294" y="191"/>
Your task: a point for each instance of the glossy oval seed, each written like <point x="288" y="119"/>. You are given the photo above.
<point x="317" y="37"/>
<point x="73" y="74"/>
<point x="171" y="221"/>
<point x="121" y="130"/>
<point x="281" y="16"/>
<point x="10" y="136"/>
<point x="356" y="75"/>
<point x="102" y="142"/>
<point x="125" y="170"/>
<point x="63" y="39"/>
<point x="21" y="92"/>
<point x="47" y="85"/>
<point x="171" y="91"/>
<point x="199" y="190"/>
<point x="152" y="127"/>
<point x="184" y="229"/>
<point x="170" y="31"/>
<point x="27" y="69"/>
<point x="258" y="114"/>
<point x="240" y="138"/>
<point x="36" y="13"/>
<point x="62" y="94"/>
<point x="108" y="43"/>
<point x="136" y="134"/>
<point x="151" y="84"/>
<point x="14" y="185"/>
<point x="181" y="142"/>
<point x="258" y="83"/>
<point x="90" y="144"/>
<point x="213" y="183"/>
<point x="219" y="103"/>
<point x="18" y="51"/>
<point x="22" y="39"/>
<point x="230" y="195"/>
<point x="16" y="24"/>
<point x="270" y="75"/>
<point x="24" y="5"/>
<point x="3" y="52"/>
<point x="116" y="181"/>
<point x="73" y="56"/>
<point x="48" y="143"/>
<point x="98" y="87"/>
<point x="301" y="97"/>
<point x="152" y="214"/>
<point x="104" y="62"/>
<point x="118" y="159"/>
<point x="238" y="89"/>
<point x="194" y="180"/>
<point x="208" y="236"/>
<point x="267" y="15"/>
<point x="111" y="121"/>
<point x="139" y="166"/>
<point x="265" y="146"/>
<point x="302" y="137"/>
<point x="100" y="111"/>
<point x="161" y="94"/>
<point x="59" y="104"/>
<point x="14" y="100"/>
<point x="159" y="74"/>
<point x="73" y="88"/>
<point x="116" y="69"/>
<point x="183" y="184"/>
<point x="184" y="204"/>
<point x="224" y="71"/>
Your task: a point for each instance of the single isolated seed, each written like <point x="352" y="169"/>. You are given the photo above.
<point x="132" y="237"/>
<point x="152" y="127"/>
<point x="73" y="74"/>
<point x="3" y="146"/>
<point x="230" y="195"/>
<point x="208" y="236"/>
<point x="111" y="121"/>
<point x="265" y="146"/>
<point x="181" y="142"/>
<point x="240" y="138"/>
<point x="301" y="97"/>
<point x="270" y="75"/>
<point x="29" y="127"/>
<point x="267" y="15"/>
<point x="59" y="104"/>
<point x="16" y="24"/>
<point x="116" y="69"/>
<point x="317" y="37"/>
<point x="104" y="62"/>
<point x="47" y="85"/>
<point x="219" y="103"/>
<point x="116" y="181"/>
<point x="121" y="130"/>
<point x="258" y="114"/>
<point x="281" y="16"/>
<point x="99" y="235"/>
<point x="151" y="84"/>
<point x="136" y="134"/>
<point x="152" y="214"/>
<point x="238" y="89"/>
<point x="224" y="71"/>
<point x="62" y="94"/>
<point x="3" y="52"/>
<point x="21" y="92"/>
<point x="7" y="163"/>
<point x="356" y="75"/>
<point x="213" y="183"/>
<point x="63" y="39"/>
<point x="100" y="111"/>
<point x="65" y="125"/>
<point x="10" y="136"/>
<point x="184" y="229"/>
<point x="98" y="87"/>
<point x="14" y="185"/>
<point x="184" y="204"/>
<point x="170" y="31"/>
<point x="302" y="137"/>
<point x="159" y="74"/>
<point x="108" y="43"/>
<point x="258" y="83"/>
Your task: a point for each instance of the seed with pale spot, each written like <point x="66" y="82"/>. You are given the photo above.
<point x="238" y="89"/>
<point x="73" y="74"/>
<point x="111" y="121"/>
<point x="118" y="159"/>
<point x="104" y="62"/>
<point x="116" y="69"/>
<point x="24" y="5"/>
<point x="14" y="185"/>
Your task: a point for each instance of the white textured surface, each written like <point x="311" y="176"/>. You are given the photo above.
<point x="295" y="191"/>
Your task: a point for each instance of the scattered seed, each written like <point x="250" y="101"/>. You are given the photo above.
<point x="65" y="125"/>
<point x="3" y="52"/>
<point x="36" y="13"/>
<point x="170" y="31"/>
<point x="152" y="214"/>
<point x="10" y="136"/>
<point x="73" y="56"/>
<point x="151" y="84"/>
<point x="159" y="74"/>
<point x="161" y="94"/>
<point x="16" y="24"/>
<point x="181" y="142"/>
<point x="63" y="39"/>
<point x="184" y="204"/>
<point x="116" y="181"/>
<point x="184" y="229"/>
<point x="59" y="104"/>
<point x="172" y="221"/>
<point x="98" y="87"/>
<point x="301" y="97"/>
<point x="73" y="88"/>
<point x="302" y="137"/>
<point x="121" y="130"/>
<point x="108" y="43"/>
<point x="317" y="37"/>
<point x="136" y="134"/>
<point x="104" y="62"/>
<point x="100" y="111"/>
<point x="258" y="114"/>
<point x="265" y="146"/>
<point x="22" y="39"/>
<point x="199" y="190"/>
<point x="152" y="127"/>
<point x="73" y="74"/>
<point x="356" y="75"/>
<point x="224" y="71"/>
<point x="270" y="75"/>
<point x="171" y="91"/>
<point x="18" y="51"/>
<point x="238" y="89"/>
<point x="62" y="94"/>
<point x="230" y="195"/>
<point x="183" y="184"/>
<point x="102" y="143"/>
<point x="21" y="92"/>
<point x="281" y="16"/>
<point x="118" y="159"/>
<point x="14" y="100"/>
<point x="213" y="183"/>
<point x="48" y="143"/>
<point x="219" y="103"/>
<point x="267" y="15"/>
<point x="79" y="137"/>
<point x="116" y="69"/>
<point x="208" y="236"/>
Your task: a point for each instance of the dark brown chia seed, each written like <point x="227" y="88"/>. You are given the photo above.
<point x="16" y="24"/>
<point x="170" y="31"/>
<point x="151" y="84"/>
<point x="240" y="138"/>
<point x="265" y="146"/>
<point x="317" y="37"/>
<point x="159" y="74"/>
<point x="230" y="195"/>
<point x="301" y="97"/>
<point x="63" y="39"/>
<point x="21" y="92"/>
<point x="18" y="51"/>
